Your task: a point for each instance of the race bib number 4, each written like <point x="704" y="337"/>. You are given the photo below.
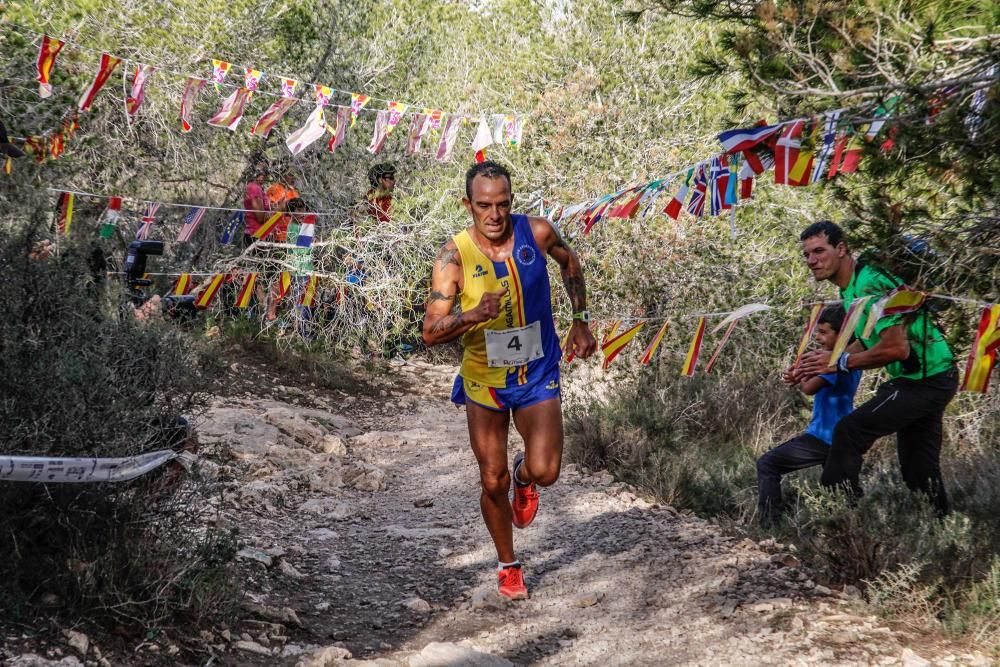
<point x="514" y="347"/>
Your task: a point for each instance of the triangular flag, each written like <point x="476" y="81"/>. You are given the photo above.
<point x="245" y="295"/>
<point x="854" y="313"/>
<point x="251" y="79"/>
<point x="358" y="102"/>
<point x="323" y="94"/>
<point x="284" y="284"/>
<point x="807" y="332"/>
<point x="107" y="67"/>
<point x="309" y="292"/>
<point x="138" y="93"/>
<point x="288" y="87"/>
<point x="983" y="353"/>
<point x="47" y="53"/>
<point x="647" y="356"/>
<point x="209" y="290"/>
<point x="613" y="347"/>
<point x="899" y="301"/>
<point x="220" y="68"/>
<point x="694" y="350"/>
<point x="182" y="285"/>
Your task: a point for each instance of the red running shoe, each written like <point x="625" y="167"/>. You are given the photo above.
<point x="525" y="503"/>
<point x="511" y="583"/>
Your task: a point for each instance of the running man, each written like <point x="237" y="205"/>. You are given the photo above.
<point x="495" y="271"/>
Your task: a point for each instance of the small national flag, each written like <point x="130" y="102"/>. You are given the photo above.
<point x="647" y="356"/>
<point x="612" y="330"/>
<point x="482" y="140"/>
<point x="826" y="151"/>
<point x="191" y="90"/>
<point x="691" y="360"/>
<point x="448" y="136"/>
<point x="288" y="87"/>
<point x="182" y="285"/>
<point x="722" y="344"/>
<point x="245" y="295"/>
<point x="251" y="78"/>
<point x="738" y="140"/>
<point x="323" y="95"/>
<point x="284" y="284"/>
<point x="807" y="332"/>
<point x="47" y="53"/>
<point x="147" y="220"/>
<point x="37" y="147"/>
<point x="419" y="124"/>
<point x="746" y="178"/>
<point x="696" y="206"/>
<point x="107" y="67"/>
<point x="8" y="166"/>
<point x="899" y="301"/>
<point x="338" y="132"/>
<point x="851" y="320"/>
<point x="787" y="150"/>
<point x="801" y="172"/>
<point x="718" y="184"/>
<point x="111" y="216"/>
<point x="306" y="232"/>
<point x="232" y="227"/>
<point x="673" y="209"/>
<point x="64" y="219"/>
<point x="138" y="94"/>
<point x="358" y="102"/>
<point x="983" y="353"/>
<point x="57" y="144"/>
<point x="231" y="111"/>
<point x="209" y="291"/>
<point x="613" y="347"/>
<point x="220" y="68"/>
<point x="268" y="227"/>
<point x="309" y="292"/>
<point x="191" y="221"/>
<point x="733" y="183"/>
<point x="266" y="122"/>
<point x="306" y="135"/>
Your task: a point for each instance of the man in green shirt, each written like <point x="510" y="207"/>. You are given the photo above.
<point x="913" y="352"/>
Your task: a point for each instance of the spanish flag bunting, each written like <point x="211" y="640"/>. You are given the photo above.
<point x="807" y="332"/>
<point x="65" y="216"/>
<point x="8" y="166"/>
<point x="268" y="226"/>
<point x="647" y="356"/>
<point x="691" y="360"/>
<point x="191" y="90"/>
<point x="614" y="346"/>
<point x="611" y="331"/>
<point x="138" y="93"/>
<point x="718" y="348"/>
<point x="309" y="292"/>
<point x="245" y="296"/>
<point x="897" y="302"/>
<point x="284" y="284"/>
<point x="266" y="122"/>
<point x="358" y="102"/>
<point x="231" y="111"/>
<point x="182" y="285"/>
<point x="801" y="170"/>
<point x="37" y="147"/>
<point x="47" y="53"/>
<point x="107" y="67"/>
<point x="983" y="353"/>
<point x="851" y="320"/>
<point x="57" y="144"/>
<point x="208" y="293"/>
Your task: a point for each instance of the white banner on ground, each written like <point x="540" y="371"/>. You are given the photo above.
<point x="75" y="470"/>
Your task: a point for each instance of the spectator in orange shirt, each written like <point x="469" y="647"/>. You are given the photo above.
<point x="279" y="194"/>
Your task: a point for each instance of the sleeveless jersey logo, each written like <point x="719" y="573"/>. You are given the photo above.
<point x="552" y="385"/>
<point x="480" y="272"/>
<point x="526" y="255"/>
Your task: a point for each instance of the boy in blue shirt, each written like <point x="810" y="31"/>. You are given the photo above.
<point x="833" y="399"/>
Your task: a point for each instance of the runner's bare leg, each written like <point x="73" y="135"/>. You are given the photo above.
<point x="488" y="432"/>
<point x="541" y="426"/>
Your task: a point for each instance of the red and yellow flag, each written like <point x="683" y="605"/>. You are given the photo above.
<point x="691" y="360"/>
<point x="208" y="292"/>
<point x="284" y="284"/>
<point x="246" y="292"/>
<point x="46" y="61"/>
<point x="807" y="332"/>
<point x="358" y="102"/>
<point x="309" y="293"/>
<point x="897" y="302"/>
<point x="613" y="347"/>
<point x="57" y="144"/>
<point x="268" y="226"/>
<point x="182" y="285"/>
<point x="36" y="146"/>
<point x="722" y="344"/>
<point x="647" y="356"/>
<point x="851" y="320"/>
<point x="108" y="65"/>
<point x="8" y="166"/>
<point x="65" y="216"/>
<point x="983" y="353"/>
<point x="610" y="333"/>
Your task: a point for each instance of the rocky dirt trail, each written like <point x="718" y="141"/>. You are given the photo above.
<point x="363" y="545"/>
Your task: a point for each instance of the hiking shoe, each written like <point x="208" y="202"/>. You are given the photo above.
<point x="525" y="503"/>
<point x="511" y="583"/>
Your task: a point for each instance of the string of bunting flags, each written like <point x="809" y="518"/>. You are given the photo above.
<point x="491" y="128"/>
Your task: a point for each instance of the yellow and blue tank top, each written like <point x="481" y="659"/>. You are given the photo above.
<point x="528" y="300"/>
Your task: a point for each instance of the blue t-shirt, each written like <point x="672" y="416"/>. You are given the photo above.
<point x="832" y="403"/>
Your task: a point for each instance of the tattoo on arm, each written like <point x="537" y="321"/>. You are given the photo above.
<point x="440" y="296"/>
<point x="447" y="256"/>
<point x="448" y="324"/>
<point x="577" y="291"/>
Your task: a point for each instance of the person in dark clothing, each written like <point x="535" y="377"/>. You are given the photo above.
<point x="833" y="399"/>
<point x="912" y="350"/>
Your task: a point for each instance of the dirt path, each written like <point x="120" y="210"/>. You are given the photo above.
<point x="364" y="540"/>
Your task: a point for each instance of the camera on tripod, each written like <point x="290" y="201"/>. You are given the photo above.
<point x="135" y="261"/>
